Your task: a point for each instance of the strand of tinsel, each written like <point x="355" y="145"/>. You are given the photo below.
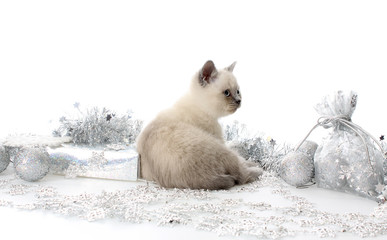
<point x="254" y="147"/>
<point x="99" y="126"/>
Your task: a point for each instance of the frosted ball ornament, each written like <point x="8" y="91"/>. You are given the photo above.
<point x="309" y="148"/>
<point x="31" y="164"/>
<point x="4" y="159"/>
<point x="297" y="168"/>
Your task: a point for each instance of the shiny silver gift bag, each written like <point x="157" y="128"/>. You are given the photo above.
<point x="349" y="159"/>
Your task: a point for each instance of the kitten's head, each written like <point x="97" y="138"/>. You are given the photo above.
<point x="217" y="91"/>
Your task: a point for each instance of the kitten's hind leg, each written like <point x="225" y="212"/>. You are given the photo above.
<point x="251" y="174"/>
<point x="222" y="182"/>
<point x="250" y="171"/>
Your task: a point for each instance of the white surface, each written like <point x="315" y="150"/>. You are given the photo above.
<point x="25" y="140"/>
<point x="141" y="55"/>
<point x="22" y="224"/>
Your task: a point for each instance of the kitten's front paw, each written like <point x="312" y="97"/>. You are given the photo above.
<point x="253" y="173"/>
<point x="250" y="164"/>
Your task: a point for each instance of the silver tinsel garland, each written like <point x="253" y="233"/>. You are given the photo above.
<point x="99" y="127"/>
<point x="254" y="147"/>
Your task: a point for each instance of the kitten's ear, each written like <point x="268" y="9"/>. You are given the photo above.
<point x="207" y="73"/>
<point x="231" y="67"/>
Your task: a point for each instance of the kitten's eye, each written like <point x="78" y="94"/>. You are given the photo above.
<point x="227" y="93"/>
<point x="238" y="92"/>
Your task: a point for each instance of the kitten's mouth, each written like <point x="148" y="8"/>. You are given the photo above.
<point x="233" y="108"/>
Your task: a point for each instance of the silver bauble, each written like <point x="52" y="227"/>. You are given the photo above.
<point x="296" y="169"/>
<point x="309" y="148"/>
<point x="4" y="159"/>
<point x="31" y="164"/>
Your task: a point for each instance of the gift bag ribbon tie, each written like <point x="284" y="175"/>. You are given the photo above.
<point x="328" y="122"/>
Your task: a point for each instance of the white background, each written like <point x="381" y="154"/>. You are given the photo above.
<point x="141" y="55"/>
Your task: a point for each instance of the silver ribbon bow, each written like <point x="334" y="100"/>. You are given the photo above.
<point x="328" y="122"/>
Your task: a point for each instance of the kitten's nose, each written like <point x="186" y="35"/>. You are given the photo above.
<point x="238" y="101"/>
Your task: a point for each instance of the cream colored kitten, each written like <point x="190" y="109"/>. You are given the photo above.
<point x="184" y="147"/>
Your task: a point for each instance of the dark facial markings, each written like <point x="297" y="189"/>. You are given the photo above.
<point x="227" y="93"/>
<point x="233" y="99"/>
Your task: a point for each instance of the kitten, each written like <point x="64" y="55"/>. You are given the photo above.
<point x="184" y="147"/>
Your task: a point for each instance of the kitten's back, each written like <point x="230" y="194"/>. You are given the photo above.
<point x="177" y="154"/>
<point x="184" y="148"/>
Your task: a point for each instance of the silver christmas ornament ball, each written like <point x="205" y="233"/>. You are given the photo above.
<point x="4" y="159"/>
<point x="296" y="169"/>
<point x="31" y="164"/>
<point x="309" y="148"/>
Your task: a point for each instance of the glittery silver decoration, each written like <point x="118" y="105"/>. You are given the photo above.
<point x="27" y="151"/>
<point x="99" y="127"/>
<point x="4" y="158"/>
<point x="297" y="169"/>
<point x="45" y="192"/>
<point x="224" y="212"/>
<point x="384" y="192"/>
<point x="384" y="145"/>
<point x="97" y="162"/>
<point x="342" y="162"/>
<point x="12" y="152"/>
<point x="309" y="148"/>
<point x="19" y="189"/>
<point x="31" y="164"/>
<point x="254" y="147"/>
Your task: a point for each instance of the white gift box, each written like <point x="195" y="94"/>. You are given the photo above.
<point x="94" y="162"/>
